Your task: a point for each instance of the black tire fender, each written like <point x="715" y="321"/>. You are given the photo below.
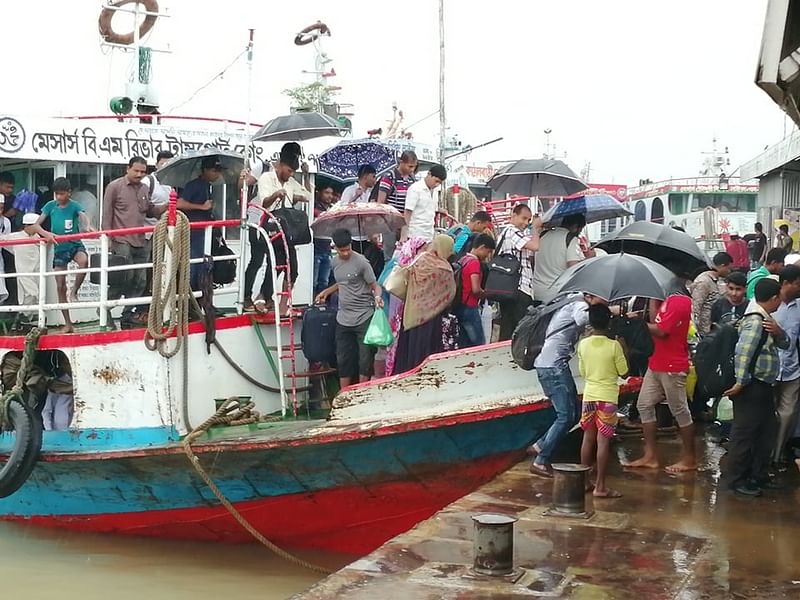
<point x="27" y="445"/>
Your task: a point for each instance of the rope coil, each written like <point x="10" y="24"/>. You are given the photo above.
<point x="28" y="356"/>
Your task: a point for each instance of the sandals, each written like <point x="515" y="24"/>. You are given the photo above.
<point x="544" y="471"/>
<point x="261" y="306"/>
<point x="610" y="494"/>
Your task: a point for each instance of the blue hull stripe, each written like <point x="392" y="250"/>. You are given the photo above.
<point x="159" y="482"/>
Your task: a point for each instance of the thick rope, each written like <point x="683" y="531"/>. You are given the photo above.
<point x="28" y="356"/>
<point x="231" y="412"/>
<point x="177" y="294"/>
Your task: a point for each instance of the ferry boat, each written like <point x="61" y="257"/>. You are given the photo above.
<point x="388" y="454"/>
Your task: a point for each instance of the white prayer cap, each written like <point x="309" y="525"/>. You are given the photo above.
<point x="30" y="218"/>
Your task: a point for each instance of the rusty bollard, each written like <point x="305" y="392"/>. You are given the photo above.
<point x="493" y="544"/>
<point x="569" y="490"/>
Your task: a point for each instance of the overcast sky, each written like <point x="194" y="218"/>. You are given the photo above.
<point x="637" y="88"/>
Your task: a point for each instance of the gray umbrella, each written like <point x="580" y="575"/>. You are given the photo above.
<point x="182" y="169"/>
<point x="298" y="127"/>
<point x="617" y="276"/>
<point x="537" y="177"/>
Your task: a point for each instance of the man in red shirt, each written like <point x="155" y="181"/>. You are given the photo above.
<point x="467" y="311"/>
<point x="737" y="248"/>
<point x="665" y="380"/>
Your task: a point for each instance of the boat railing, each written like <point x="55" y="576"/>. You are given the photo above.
<point x="104" y="304"/>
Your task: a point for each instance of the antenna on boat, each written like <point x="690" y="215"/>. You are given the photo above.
<point x="442" y="118"/>
<point x="139" y="91"/>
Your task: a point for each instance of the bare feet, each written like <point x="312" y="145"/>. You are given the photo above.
<point x="73" y="296"/>
<point x="646" y="462"/>
<point x="589" y="487"/>
<point x="681" y="467"/>
<point x="606" y="493"/>
<point x="532" y="450"/>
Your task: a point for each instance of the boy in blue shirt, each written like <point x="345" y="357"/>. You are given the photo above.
<point x="66" y="217"/>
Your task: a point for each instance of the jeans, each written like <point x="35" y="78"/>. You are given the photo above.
<point x="511" y="313"/>
<point x="134" y="282"/>
<point x="322" y="269"/>
<point x="196" y="250"/>
<point x="559" y="387"/>
<point x="470" y="326"/>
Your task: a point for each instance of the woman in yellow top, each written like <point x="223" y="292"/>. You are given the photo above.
<point x="602" y="361"/>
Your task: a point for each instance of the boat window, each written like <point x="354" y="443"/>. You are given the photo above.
<point x="657" y="211"/>
<point x="725" y="202"/>
<point x="640" y="211"/>
<point x="678" y="203"/>
<point x="84" y="179"/>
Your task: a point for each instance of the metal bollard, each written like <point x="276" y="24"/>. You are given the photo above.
<point x="569" y="490"/>
<point x="493" y="544"/>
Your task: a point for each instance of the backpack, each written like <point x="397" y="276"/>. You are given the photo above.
<point x="505" y="271"/>
<point x="530" y="334"/>
<point x="714" y="359"/>
<point x="638" y="341"/>
<point x="224" y="271"/>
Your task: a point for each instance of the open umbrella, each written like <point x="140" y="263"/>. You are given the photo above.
<point x="537" y="177"/>
<point x="182" y="169"/>
<point x="359" y="219"/>
<point x="597" y="207"/>
<point x="617" y="276"/>
<point x="674" y="249"/>
<point x="343" y="161"/>
<point x="298" y="127"/>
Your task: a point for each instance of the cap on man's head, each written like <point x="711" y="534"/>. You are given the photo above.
<point x="734" y="234"/>
<point x="30" y="218"/>
<point x="210" y="162"/>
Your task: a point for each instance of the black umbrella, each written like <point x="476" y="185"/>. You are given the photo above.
<point x="676" y="250"/>
<point x="538" y="177"/>
<point x="298" y="127"/>
<point x="617" y="276"/>
<point x="183" y="168"/>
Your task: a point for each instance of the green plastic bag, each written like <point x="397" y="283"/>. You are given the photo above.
<point x="725" y="409"/>
<point x="379" y="333"/>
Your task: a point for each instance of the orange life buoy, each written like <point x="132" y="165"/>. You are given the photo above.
<point x="310" y="33"/>
<point x="107" y="32"/>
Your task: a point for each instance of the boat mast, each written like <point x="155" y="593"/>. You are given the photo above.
<point x="442" y="118"/>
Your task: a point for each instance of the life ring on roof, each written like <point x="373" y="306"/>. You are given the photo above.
<point x="310" y="33"/>
<point x="112" y="37"/>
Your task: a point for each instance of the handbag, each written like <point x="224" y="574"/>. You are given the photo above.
<point x="294" y="223"/>
<point x="224" y="270"/>
<point x="397" y="282"/>
<point x="505" y="271"/>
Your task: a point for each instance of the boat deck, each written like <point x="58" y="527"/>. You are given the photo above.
<point x="668" y="537"/>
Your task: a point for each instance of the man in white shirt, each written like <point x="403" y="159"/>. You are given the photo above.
<point x="359" y="193"/>
<point x="277" y="188"/>
<point x="559" y="249"/>
<point x="422" y="201"/>
<point x="27" y="257"/>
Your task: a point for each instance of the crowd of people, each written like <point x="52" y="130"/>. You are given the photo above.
<point x="131" y="201"/>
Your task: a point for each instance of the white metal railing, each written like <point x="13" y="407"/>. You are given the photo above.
<point x="104" y="304"/>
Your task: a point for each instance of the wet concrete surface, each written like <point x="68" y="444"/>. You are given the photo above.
<point x="680" y="537"/>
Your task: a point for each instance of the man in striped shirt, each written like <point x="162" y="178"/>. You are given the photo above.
<point x="756" y="366"/>
<point x="392" y="190"/>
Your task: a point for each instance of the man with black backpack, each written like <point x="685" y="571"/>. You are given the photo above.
<point x="552" y="369"/>
<point x="757" y="367"/>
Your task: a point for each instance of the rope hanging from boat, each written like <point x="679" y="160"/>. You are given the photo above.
<point x="232" y="412"/>
<point x="177" y="294"/>
<point x="28" y="356"/>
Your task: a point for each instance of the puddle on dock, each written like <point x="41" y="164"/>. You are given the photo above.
<point x="669" y="537"/>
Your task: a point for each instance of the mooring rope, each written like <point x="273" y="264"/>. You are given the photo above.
<point x="232" y="412"/>
<point x="28" y="356"/>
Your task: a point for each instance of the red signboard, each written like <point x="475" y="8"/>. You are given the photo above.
<point x="619" y="192"/>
